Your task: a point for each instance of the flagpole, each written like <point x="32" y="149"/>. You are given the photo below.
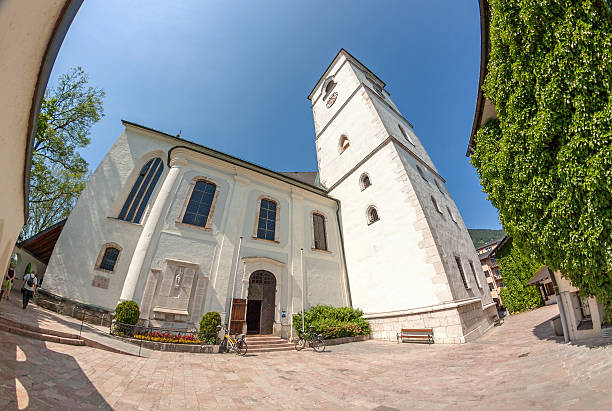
<point x="229" y="325"/>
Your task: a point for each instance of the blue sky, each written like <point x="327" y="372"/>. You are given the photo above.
<point x="234" y="76"/>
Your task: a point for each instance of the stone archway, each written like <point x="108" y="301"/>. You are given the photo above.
<point x="261" y="302"/>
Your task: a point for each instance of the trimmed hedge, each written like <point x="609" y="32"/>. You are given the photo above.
<point x="127" y="312"/>
<point x="208" y="327"/>
<point x="333" y="322"/>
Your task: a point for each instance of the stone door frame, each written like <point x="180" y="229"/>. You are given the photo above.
<point x="276" y="268"/>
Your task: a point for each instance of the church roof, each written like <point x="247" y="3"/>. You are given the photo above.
<point x="308" y="177"/>
<point x="41" y="245"/>
<point x="350" y="57"/>
<point x="299" y="179"/>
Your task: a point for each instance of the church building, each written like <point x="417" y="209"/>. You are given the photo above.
<point x="183" y="229"/>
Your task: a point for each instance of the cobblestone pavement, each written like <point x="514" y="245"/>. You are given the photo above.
<point x="515" y="366"/>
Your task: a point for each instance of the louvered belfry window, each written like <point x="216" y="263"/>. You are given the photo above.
<point x="266" y="224"/>
<point x="200" y="203"/>
<point x="136" y="202"/>
<point x="318" y="225"/>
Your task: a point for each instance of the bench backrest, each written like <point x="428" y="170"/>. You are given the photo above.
<point x="417" y="331"/>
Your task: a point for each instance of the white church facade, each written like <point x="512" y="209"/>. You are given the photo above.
<point x="183" y="229"/>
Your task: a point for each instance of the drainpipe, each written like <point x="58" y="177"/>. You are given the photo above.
<point x="560" y="305"/>
<point x="302" y="269"/>
<point x="229" y="323"/>
<point x="346" y="279"/>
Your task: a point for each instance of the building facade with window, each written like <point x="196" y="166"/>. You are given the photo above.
<point x="489" y="265"/>
<point x="183" y="229"/>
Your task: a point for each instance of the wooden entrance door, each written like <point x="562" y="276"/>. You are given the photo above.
<point x="238" y="316"/>
<point x="262" y="288"/>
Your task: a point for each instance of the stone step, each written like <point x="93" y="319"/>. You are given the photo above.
<point x="40" y="336"/>
<point x="257" y="347"/>
<point x="270" y="349"/>
<point x="263" y="338"/>
<point x="259" y="342"/>
<point x="35" y="329"/>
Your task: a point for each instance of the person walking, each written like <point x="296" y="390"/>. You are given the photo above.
<point x="7" y="284"/>
<point x="28" y="287"/>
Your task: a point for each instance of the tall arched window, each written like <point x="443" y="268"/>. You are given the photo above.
<point x="266" y="222"/>
<point x="420" y="170"/>
<point x="200" y="203"/>
<point x="136" y="202"/>
<point x="343" y="144"/>
<point x="372" y="215"/>
<point x="435" y="203"/>
<point x="406" y="136"/>
<point x="107" y="260"/>
<point x="439" y="188"/>
<point x="364" y="181"/>
<point x="319" y="232"/>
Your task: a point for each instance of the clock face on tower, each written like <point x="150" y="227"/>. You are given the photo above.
<point x="332" y="99"/>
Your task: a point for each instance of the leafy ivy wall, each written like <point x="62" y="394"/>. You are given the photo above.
<point x="546" y="163"/>
<point x="517" y="270"/>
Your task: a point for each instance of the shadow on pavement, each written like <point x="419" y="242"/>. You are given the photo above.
<point x="35" y="377"/>
<point x="544" y="332"/>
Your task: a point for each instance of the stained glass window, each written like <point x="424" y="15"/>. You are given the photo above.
<point x="138" y="198"/>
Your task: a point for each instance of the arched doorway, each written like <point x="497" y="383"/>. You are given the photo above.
<point x="260" y="305"/>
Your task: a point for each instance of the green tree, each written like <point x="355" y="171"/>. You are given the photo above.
<point x="517" y="270"/>
<point x="58" y="174"/>
<point x="546" y="162"/>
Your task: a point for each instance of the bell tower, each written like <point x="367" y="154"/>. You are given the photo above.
<point x="410" y="260"/>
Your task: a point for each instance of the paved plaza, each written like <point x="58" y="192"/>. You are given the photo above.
<point x="516" y="366"/>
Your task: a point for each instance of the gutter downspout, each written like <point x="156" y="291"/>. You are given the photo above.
<point x="302" y="269"/>
<point x="229" y="323"/>
<point x="346" y="278"/>
<point x="560" y="305"/>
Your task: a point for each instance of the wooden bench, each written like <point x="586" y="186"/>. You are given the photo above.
<point x="416" y="335"/>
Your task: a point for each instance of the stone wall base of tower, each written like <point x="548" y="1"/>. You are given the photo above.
<point x="452" y="323"/>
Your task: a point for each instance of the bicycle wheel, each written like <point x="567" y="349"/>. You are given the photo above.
<point x="318" y="345"/>
<point x="300" y="344"/>
<point x="223" y="345"/>
<point x="241" y="348"/>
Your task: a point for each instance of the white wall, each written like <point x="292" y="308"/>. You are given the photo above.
<point x="93" y="223"/>
<point x="407" y="259"/>
<point x="30" y="35"/>
<point x="23" y="258"/>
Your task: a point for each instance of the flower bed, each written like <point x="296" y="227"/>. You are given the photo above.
<point x="166" y="337"/>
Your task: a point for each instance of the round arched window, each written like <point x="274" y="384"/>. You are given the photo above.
<point x="364" y="181"/>
<point x="343" y="144"/>
<point x="372" y="215"/>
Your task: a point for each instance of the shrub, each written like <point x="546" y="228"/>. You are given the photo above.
<point x="208" y="327"/>
<point x="333" y="322"/>
<point x="28" y="269"/>
<point x="127" y="312"/>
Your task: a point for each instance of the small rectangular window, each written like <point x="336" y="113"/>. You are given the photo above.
<point x="475" y="276"/>
<point x="458" y="260"/>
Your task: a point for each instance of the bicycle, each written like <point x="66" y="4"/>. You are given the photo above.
<point x="238" y="345"/>
<point x="312" y="338"/>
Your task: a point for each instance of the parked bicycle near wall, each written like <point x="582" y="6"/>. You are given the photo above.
<point x="238" y="344"/>
<point x="312" y="338"/>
